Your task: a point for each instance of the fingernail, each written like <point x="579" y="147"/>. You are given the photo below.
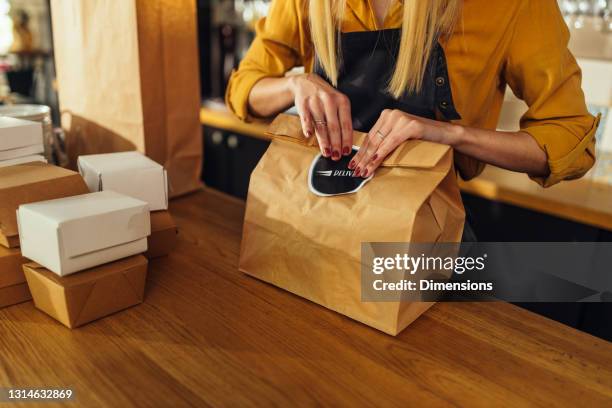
<point x="336" y="154"/>
<point x="351" y="165"/>
<point x="308" y="134"/>
<point x="326" y="151"/>
<point x="346" y="150"/>
<point x="375" y="157"/>
<point x="365" y="173"/>
<point x="356" y="173"/>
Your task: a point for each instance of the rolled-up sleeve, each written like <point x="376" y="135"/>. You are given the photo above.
<point x="278" y="47"/>
<point x="541" y="70"/>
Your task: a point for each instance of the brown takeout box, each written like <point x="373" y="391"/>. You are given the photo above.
<point x="28" y="183"/>
<point x="13" y="287"/>
<point x="83" y="297"/>
<point x="163" y="235"/>
<point x="11" y="272"/>
<point x="311" y="245"/>
<point x="12" y="295"/>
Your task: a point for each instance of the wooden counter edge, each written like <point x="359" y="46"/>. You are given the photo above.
<point x="490" y="190"/>
<point x="480" y="187"/>
<point x="225" y="120"/>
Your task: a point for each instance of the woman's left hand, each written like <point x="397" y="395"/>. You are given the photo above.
<point x="393" y="128"/>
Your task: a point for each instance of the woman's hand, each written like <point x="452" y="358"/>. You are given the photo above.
<point x="393" y="128"/>
<point x="515" y="151"/>
<point x="324" y="112"/>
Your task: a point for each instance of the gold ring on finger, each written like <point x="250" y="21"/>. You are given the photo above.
<point x="381" y="135"/>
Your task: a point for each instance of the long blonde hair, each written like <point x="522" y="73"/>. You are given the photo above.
<point x="423" y="22"/>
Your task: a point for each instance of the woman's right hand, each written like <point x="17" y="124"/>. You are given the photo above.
<point x="324" y="112"/>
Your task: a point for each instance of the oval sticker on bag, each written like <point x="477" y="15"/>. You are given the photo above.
<point x="329" y="178"/>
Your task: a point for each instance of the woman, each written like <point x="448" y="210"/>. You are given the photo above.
<point x="434" y="70"/>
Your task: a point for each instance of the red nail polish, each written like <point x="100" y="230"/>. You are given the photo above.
<point x="351" y="165"/>
<point x="336" y="154"/>
<point x="365" y="173"/>
<point x="327" y="152"/>
<point x="346" y="150"/>
<point x="356" y="173"/>
<point x="375" y="157"/>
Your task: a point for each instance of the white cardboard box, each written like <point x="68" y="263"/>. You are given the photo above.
<point x="129" y="173"/>
<point x="26" y="159"/>
<point x="19" y="138"/>
<point x="70" y="234"/>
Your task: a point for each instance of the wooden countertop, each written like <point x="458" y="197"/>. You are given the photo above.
<point x="210" y="335"/>
<point x="583" y="201"/>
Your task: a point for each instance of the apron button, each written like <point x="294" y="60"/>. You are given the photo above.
<point x="443" y="105"/>
<point x="440" y="81"/>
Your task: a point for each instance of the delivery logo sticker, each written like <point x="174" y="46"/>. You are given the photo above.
<point x="329" y="178"/>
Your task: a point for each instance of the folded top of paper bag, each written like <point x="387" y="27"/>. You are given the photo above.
<point x="410" y="154"/>
<point x="130" y="173"/>
<point x="18" y="133"/>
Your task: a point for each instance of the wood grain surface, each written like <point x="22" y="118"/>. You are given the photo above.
<point x="208" y="335"/>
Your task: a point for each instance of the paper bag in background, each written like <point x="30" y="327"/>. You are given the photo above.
<point x="128" y="79"/>
<point x="311" y="245"/>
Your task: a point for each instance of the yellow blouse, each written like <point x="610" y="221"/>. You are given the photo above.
<point x="522" y="44"/>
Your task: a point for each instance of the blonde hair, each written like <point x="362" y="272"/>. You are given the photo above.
<point x="424" y="21"/>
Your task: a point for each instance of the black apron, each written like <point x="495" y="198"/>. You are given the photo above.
<point x="367" y="64"/>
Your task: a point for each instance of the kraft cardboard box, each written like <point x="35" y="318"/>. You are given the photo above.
<point x="71" y="234"/>
<point x="13" y="287"/>
<point x="31" y="182"/>
<point x="10" y="267"/>
<point x="21" y="160"/>
<point x="89" y="295"/>
<point x="129" y="173"/>
<point x="15" y="294"/>
<point x="163" y="235"/>
<point x="19" y="138"/>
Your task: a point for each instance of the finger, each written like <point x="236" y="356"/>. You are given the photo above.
<point x="333" y="124"/>
<point x="375" y="139"/>
<point x="389" y="144"/>
<point x="318" y="117"/>
<point x="369" y="154"/>
<point x="403" y="128"/>
<point x="364" y="146"/>
<point x="346" y="124"/>
<point x="305" y="118"/>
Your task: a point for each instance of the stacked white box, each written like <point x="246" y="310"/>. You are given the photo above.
<point x="19" y="140"/>
<point x="129" y="173"/>
<point x="72" y="234"/>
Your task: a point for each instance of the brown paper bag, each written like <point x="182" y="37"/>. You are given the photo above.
<point x="128" y="79"/>
<point x="311" y="245"/>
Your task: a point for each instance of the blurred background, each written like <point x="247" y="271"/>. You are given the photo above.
<point x="26" y="53"/>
